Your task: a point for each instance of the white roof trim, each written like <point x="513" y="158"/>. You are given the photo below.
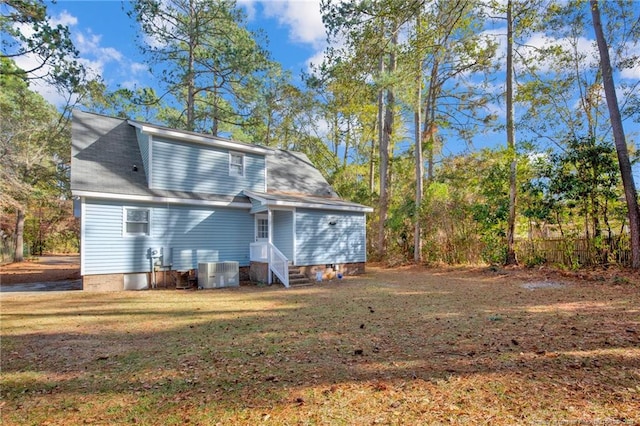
<point x="207" y="140"/>
<point x="154" y="199"/>
<point x="306" y="205"/>
<point x="301" y="204"/>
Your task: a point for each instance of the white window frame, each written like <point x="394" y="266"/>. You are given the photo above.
<point x="262" y="234"/>
<point x="125" y="222"/>
<point x="233" y="165"/>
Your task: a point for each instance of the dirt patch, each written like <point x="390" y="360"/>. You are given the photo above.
<point x="533" y="285"/>
<point x="50" y="268"/>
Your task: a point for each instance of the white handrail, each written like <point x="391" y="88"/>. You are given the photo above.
<point x="263" y="251"/>
<point x="279" y="264"/>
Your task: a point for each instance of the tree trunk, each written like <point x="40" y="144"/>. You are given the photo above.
<point x="347" y="142"/>
<point x="429" y="128"/>
<point x="384" y="160"/>
<point x="618" y="135"/>
<point x="372" y="162"/>
<point x="511" y="143"/>
<point x="384" y="172"/>
<point x="417" y="237"/>
<point x="385" y="145"/>
<point x="18" y="255"/>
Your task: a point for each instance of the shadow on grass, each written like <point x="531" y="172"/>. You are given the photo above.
<point x="236" y="350"/>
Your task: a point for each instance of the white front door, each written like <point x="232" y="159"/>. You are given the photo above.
<point x="262" y="228"/>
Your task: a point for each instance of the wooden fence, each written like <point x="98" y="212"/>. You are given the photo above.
<point x="575" y="252"/>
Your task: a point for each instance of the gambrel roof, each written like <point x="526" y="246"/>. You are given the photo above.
<point x="107" y="163"/>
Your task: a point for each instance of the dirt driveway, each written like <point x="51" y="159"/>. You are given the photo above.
<point x="45" y="273"/>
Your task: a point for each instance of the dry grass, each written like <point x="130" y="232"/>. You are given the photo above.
<point x="401" y="346"/>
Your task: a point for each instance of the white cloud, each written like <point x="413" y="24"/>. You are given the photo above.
<point x="65" y="19"/>
<point x="315" y="59"/>
<point x="631" y="49"/>
<point x="631" y="73"/>
<point x="93" y="55"/>
<point x="302" y="17"/>
<point x="249" y="8"/>
<point x="137" y="67"/>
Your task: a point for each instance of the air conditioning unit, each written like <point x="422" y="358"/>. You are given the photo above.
<point x="218" y="275"/>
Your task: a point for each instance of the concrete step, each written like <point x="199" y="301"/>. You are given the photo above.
<point x="300" y="283"/>
<point x="296" y="279"/>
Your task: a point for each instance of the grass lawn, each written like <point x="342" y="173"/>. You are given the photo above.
<point x="402" y="346"/>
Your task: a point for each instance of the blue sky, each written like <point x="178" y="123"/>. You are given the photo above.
<point x="106" y="36"/>
<point x="106" y="39"/>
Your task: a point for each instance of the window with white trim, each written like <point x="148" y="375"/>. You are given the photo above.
<point x="236" y="164"/>
<point x="136" y="221"/>
<point x="263" y="228"/>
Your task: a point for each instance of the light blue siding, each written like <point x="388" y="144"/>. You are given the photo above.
<point x="198" y="168"/>
<point x="283" y="232"/>
<point x="318" y="242"/>
<point x="196" y="234"/>
<point x="256" y="205"/>
<point x="143" y="144"/>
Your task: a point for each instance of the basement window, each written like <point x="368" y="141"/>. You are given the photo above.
<point x="236" y="164"/>
<point x="136" y="221"/>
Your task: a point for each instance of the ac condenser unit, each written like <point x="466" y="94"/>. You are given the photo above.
<point x="218" y="274"/>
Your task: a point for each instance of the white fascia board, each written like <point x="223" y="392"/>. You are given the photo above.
<point x="154" y="199"/>
<point x="306" y="205"/>
<point x="212" y="141"/>
<point x="296" y="204"/>
<point x="150" y="162"/>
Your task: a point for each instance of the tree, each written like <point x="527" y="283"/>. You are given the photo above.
<point x="34" y="137"/>
<point x="521" y="18"/>
<point x="27" y="33"/>
<point x="33" y="145"/>
<point x="511" y="143"/>
<point x="452" y="58"/>
<point x="140" y="104"/>
<point x="205" y="58"/>
<point x="619" y="137"/>
<point x="371" y="31"/>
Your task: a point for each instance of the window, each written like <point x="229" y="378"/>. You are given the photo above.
<point x="136" y="221"/>
<point x="263" y="229"/>
<point x="236" y="164"/>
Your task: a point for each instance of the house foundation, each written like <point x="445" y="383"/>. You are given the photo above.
<point x="258" y="271"/>
<point x="164" y="279"/>
<point x="332" y="271"/>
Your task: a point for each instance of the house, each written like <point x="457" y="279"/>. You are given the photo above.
<point x="156" y="202"/>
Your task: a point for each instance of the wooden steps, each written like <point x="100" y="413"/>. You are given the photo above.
<point x="296" y="279"/>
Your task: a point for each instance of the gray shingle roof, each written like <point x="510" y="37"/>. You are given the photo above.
<point x="105" y="150"/>
<point x="103" y="153"/>
<point x="292" y="172"/>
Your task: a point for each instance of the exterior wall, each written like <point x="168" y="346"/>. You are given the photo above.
<point x="110" y="282"/>
<point x="283" y="232"/>
<point x="143" y="144"/>
<point x="319" y="243"/>
<point x="198" y="168"/>
<point x="255" y="204"/>
<point x="195" y="234"/>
